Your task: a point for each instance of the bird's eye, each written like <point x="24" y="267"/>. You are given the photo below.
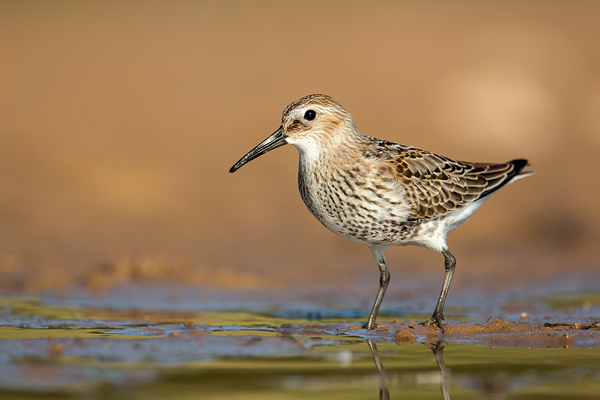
<point x="310" y="115"/>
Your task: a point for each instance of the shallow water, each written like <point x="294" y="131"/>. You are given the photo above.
<point x="147" y="343"/>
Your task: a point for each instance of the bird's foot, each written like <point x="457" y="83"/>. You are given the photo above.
<point x="436" y="319"/>
<point x="370" y="325"/>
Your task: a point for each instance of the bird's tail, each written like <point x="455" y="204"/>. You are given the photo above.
<point x="518" y="172"/>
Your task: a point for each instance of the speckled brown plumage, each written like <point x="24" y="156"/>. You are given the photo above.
<point x="377" y="192"/>
<point x="436" y="184"/>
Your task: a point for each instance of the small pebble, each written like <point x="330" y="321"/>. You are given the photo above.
<point x="189" y="323"/>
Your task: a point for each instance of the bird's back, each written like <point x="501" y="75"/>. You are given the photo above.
<point x="390" y="194"/>
<point x="437" y="185"/>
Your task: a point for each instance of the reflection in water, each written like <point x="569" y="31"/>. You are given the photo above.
<point x="384" y="393"/>
<point x="438" y="353"/>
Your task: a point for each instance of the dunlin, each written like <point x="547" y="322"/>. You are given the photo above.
<point x="381" y="193"/>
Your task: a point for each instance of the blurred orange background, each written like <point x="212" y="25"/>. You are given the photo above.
<point x="119" y="122"/>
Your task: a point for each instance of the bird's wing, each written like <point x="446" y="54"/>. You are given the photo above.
<point x="436" y="185"/>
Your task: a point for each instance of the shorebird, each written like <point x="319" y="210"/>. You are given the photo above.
<point x="380" y="193"/>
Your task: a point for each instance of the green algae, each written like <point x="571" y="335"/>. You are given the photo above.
<point x="411" y="372"/>
<point x="245" y="355"/>
<point x="572" y="301"/>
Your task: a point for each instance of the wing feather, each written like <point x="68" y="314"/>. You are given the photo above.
<point x="436" y="185"/>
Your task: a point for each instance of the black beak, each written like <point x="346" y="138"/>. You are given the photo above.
<point x="277" y="139"/>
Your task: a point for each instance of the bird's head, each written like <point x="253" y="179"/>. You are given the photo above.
<point x="313" y="124"/>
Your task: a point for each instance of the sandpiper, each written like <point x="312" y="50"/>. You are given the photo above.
<point x="381" y="193"/>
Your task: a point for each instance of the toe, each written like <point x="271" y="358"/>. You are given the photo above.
<point x="435" y="320"/>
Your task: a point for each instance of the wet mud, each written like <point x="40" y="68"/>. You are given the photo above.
<point x="60" y="345"/>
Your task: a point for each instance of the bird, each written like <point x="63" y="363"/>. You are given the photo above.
<point x="380" y="193"/>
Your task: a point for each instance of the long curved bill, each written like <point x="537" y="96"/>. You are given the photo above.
<point x="277" y="139"/>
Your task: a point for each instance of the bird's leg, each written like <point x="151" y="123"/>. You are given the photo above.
<point x="438" y="313"/>
<point x="384" y="280"/>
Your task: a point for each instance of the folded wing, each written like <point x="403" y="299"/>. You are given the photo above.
<point x="436" y="185"/>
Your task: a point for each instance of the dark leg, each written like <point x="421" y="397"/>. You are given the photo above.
<point x="384" y="280"/>
<point x="438" y="313"/>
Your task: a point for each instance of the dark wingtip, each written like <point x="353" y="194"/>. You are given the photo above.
<point x="518" y="165"/>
